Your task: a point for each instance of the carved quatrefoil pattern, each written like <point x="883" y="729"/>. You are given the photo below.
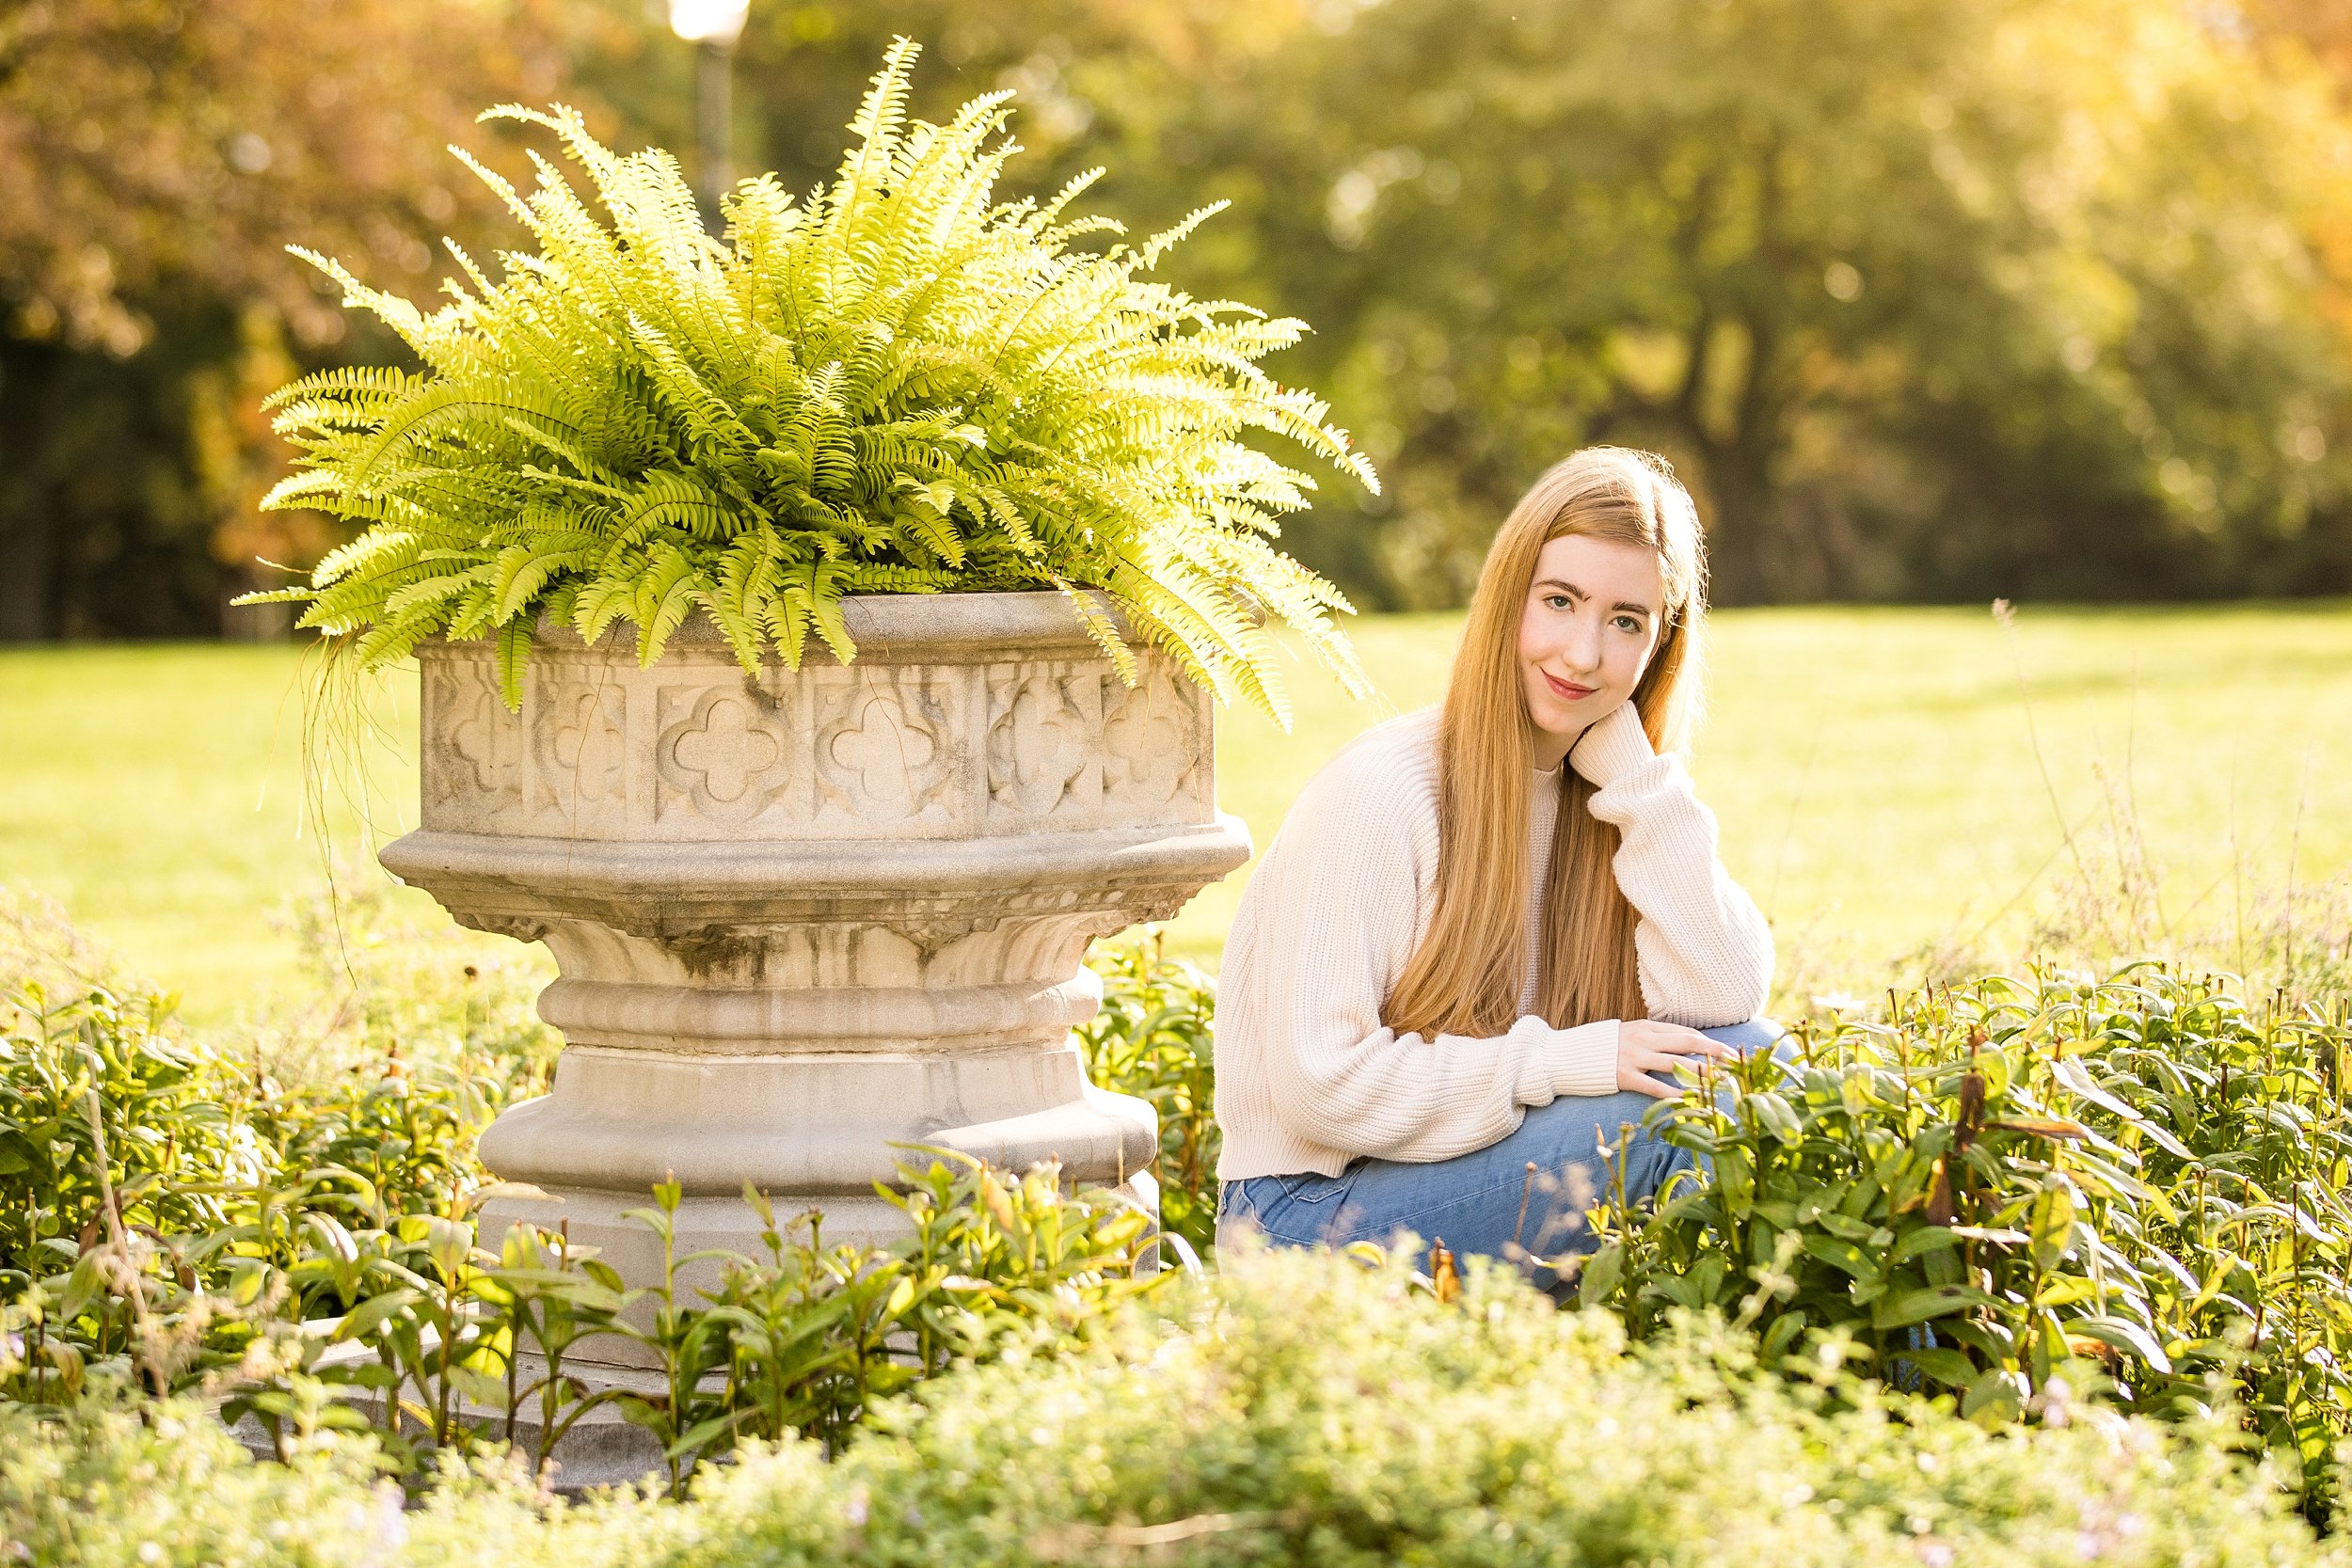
<point x="1037" y="740"/>
<point x="1074" y="741"/>
<point x="691" y="750"/>
<point x="884" y="753"/>
<point x="729" y="755"/>
<point x="474" y="752"/>
<point x="580" y="752"/>
<point x="1150" y="742"/>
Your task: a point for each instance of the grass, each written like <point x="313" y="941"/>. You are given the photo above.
<point x="1886" y="783"/>
<point x="155" y="791"/>
<point x="1878" y="779"/>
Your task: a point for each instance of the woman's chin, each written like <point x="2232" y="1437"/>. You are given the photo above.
<point x="1565" y="720"/>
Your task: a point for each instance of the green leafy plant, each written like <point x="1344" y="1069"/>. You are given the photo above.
<point x="310" y="1260"/>
<point x="810" y="1340"/>
<point x="1155" y="1038"/>
<point x="900" y="386"/>
<point x="306" y="1252"/>
<point x="173" y="1219"/>
<point x="95" y="1068"/>
<point x="1294" y="1409"/>
<point x="2029" y="1190"/>
<point x="2014" y="1195"/>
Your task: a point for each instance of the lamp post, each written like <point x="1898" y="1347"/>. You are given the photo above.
<point x="713" y="26"/>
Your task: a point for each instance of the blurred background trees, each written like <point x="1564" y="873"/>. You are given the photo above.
<point x="156" y="156"/>
<point x="1931" y="299"/>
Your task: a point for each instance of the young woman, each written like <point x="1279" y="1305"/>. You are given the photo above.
<point x="1486" y="933"/>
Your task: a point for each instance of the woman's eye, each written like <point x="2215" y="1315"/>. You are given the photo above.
<point x="1557" y="601"/>
<point x="1627" y="622"/>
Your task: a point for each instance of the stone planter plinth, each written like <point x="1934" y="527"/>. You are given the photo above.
<point x="805" y="917"/>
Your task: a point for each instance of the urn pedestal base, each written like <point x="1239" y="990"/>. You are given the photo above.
<point x="815" y="1126"/>
<point x="806" y="918"/>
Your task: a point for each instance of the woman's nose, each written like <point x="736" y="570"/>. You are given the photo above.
<point x="1581" y="651"/>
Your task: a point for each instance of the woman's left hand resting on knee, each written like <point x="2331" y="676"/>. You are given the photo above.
<point x="1646" y="1046"/>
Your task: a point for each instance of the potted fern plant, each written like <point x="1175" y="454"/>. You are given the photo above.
<point x="817" y="625"/>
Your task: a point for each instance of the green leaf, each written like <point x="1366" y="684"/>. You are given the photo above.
<point x="513" y="659"/>
<point x="2052" y="1228"/>
<point x="1993" y="1399"/>
<point x="2070" y="1071"/>
<point x="1903" y="1309"/>
<point x="2123" y="1335"/>
<point x="1925" y="1239"/>
<point x="363" y="1320"/>
<point x="1842" y="1255"/>
<point x="704" y="1433"/>
<point x="1949" y="1367"/>
<point x="1604" y="1272"/>
<point x="1778" y="1117"/>
<point x="1780" y="1336"/>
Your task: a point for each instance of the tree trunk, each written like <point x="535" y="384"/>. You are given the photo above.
<point x="1745" y="549"/>
<point x="27" y="528"/>
<point x="1740" y="547"/>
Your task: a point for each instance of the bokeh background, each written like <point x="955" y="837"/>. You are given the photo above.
<point x="1932" y="301"/>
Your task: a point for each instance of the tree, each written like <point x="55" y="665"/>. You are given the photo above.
<point x="157" y="156"/>
<point x="1929" y="297"/>
<point x="2322" y="26"/>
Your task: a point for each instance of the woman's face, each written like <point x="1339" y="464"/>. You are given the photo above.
<point x="1592" y="619"/>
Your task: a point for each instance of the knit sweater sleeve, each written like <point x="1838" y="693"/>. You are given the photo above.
<point x="1703" y="949"/>
<point x="1327" y="925"/>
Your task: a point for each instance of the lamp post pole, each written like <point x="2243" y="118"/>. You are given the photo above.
<point x="713" y="26"/>
<point x="714" y="108"/>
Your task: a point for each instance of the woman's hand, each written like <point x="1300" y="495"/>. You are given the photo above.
<point x="1646" y="1046"/>
<point x="1615" y="746"/>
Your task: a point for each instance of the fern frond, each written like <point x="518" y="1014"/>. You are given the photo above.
<point x="1101" y="628"/>
<point x="672" y="500"/>
<point x="900" y="385"/>
<point x="788" y="620"/>
<point x="824" y="609"/>
<point x="665" y="595"/>
<point x="298" y="594"/>
<point x="514" y="657"/>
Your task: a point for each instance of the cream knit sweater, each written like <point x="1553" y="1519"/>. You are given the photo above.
<point x="1308" y="1077"/>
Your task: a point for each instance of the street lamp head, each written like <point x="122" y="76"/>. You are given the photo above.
<point x="719" y="22"/>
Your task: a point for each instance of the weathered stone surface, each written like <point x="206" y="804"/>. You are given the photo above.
<point x="805" y="917"/>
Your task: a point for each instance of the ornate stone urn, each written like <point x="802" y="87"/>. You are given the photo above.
<point x="803" y="918"/>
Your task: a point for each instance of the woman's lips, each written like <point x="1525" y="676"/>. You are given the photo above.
<point x="1569" y="691"/>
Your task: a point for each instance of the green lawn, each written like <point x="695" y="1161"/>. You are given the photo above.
<point x="1872" y="769"/>
<point x="1876" y="776"/>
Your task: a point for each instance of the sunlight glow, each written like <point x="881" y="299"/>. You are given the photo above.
<point x="719" y="22"/>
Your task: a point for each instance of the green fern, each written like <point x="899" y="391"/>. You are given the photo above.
<point x="900" y="386"/>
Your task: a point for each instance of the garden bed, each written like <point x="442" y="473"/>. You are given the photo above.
<point x="2101" y="1217"/>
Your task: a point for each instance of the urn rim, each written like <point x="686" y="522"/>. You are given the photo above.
<point x="892" y="629"/>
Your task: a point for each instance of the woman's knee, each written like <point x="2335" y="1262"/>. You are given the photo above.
<point x="1576" y="1144"/>
<point x="1577" y="1130"/>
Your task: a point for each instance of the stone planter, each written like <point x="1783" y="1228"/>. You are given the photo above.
<point x="803" y="918"/>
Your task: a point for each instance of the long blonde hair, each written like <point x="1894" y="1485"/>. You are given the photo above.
<point x="1464" y="978"/>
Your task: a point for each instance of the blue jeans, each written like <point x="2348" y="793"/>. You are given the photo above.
<point x="1523" y="1198"/>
